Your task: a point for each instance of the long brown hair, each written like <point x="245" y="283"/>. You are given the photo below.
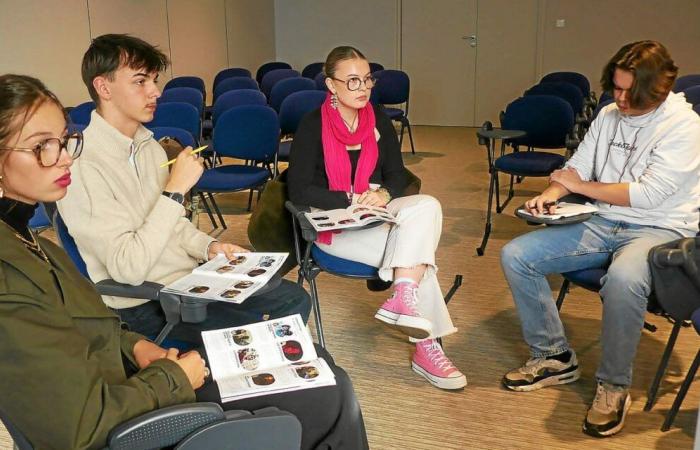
<point x="339" y="54"/>
<point x="20" y="97"/>
<point x="653" y="69"/>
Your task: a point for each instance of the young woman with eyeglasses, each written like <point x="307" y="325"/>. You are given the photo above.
<point x="71" y="372"/>
<point x="347" y="152"/>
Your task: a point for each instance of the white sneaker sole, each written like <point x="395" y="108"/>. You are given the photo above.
<point x="450" y="383"/>
<point x="554" y="380"/>
<point x="616" y="429"/>
<point x="415" y="327"/>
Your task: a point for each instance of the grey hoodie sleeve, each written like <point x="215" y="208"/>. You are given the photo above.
<point x="672" y="164"/>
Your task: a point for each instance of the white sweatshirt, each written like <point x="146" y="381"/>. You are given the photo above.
<point x="657" y="153"/>
<point x="124" y="228"/>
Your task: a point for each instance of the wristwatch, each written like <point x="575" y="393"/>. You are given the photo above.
<point x="175" y="196"/>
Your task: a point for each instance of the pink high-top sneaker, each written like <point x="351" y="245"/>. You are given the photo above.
<point x="400" y="312"/>
<point x="430" y="362"/>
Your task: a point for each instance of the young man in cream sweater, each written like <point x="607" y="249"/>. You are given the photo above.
<point x="125" y="211"/>
<point x="640" y="162"/>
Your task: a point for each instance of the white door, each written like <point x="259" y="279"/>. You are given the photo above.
<point x="438" y="52"/>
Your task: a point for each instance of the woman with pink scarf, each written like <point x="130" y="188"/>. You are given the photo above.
<point x="347" y="152"/>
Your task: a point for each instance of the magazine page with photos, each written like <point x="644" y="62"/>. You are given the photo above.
<point x="353" y="216"/>
<point x="273" y="356"/>
<point x="563" y="209"/>
<point x="229" y="280"/>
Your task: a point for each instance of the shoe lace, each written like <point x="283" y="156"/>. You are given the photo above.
<point x="605" y="400"/>
<point x="437" y="356"/>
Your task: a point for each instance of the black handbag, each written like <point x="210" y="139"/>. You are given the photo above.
<point x="676" y="278"/>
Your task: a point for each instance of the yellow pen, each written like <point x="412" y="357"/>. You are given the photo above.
<point x="193" y="152"/>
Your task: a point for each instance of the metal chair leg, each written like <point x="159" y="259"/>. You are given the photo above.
<point x="455" y="285"/>
<point x="206" y="207"/>
<point x="410" y="137"/>
<point x="487" y="228"/>
<point x="653" y="389"/>
<point x="250" y="200"/>
<point x="562" y="293"/>
<point x="317" y="312"/>
<point x="671" y="415"/>
<point x="401" y="135"/>
<point x="218" y="212"/>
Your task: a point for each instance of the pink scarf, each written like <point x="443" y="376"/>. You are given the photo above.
<point x="335" y="136"/>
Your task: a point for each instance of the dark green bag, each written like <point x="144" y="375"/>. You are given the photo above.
<point x="270" y="226"/>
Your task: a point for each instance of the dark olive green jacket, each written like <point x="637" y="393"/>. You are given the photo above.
<point x="62" y="379"/>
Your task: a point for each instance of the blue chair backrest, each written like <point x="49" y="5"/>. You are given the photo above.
<point x="248" y="132"/>
<point x="81" y="113"/>
<point x="312" y="70"/>
<point x="232" y="99"/>
<point x="605" y="96"/>
<point x="684" y="82"/>
<point x="393" y="87"/>
<point x="320" y="80"/>
<point x="68" y="244"/>
<point x="272" y="77"/>
<point x="296" y="106"/>
<point x="178" y="115"/>
<point x="233" y="83"/>
<point x="229" y="73"/>
<point x="288" y="86"/>
<point x="577" y="79"/>
<point x="696" y="108"/>
<point x="545" y="118"/>
<point x="192" y="82"/>
<point x="375" y="67"/>
<point x="267" y="67"/>
<point x="601" y="104"/>
<point x="567" y="91"/>
<point x="73" y="127"/>
<point x="40" y="219"/>
<point x="184" y="95"/>
<point x="184" y="136"/>
<point x="692" y="95"/>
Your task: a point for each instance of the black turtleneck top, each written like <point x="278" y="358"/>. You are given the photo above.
<point x="17" y="214"/>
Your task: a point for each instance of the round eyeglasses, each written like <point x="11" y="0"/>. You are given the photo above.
<point x="354" y="83"/>
<point x="48" y="151"/>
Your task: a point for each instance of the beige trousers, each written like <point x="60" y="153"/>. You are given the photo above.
<point x="411" y="242"/>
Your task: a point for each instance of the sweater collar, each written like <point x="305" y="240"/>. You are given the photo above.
<point x="17" y="215"/>
<point x="105" y="129"/>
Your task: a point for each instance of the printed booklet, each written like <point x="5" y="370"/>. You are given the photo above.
<point x="229" y="280"/>
<point x="265" y="358"/>
<point x="350" y="217"/>
<point x="563" y="210"/>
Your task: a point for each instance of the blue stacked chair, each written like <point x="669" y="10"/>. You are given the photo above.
<point x="269" y="66"/>
<point x="187" y="81"/>
<point x="569" y="92"/>
<point x="239" y="97"/>
<point x="249" y="133"/>
<point x="184" y="137"/>
<point x="577" y="79"/>
<point x="40" y="220"/>
<point x="548" y="123"/>
<point x="692" y="95"/>
<point x="178" y="115"/>
<point x="230" y="73"/>
<point x="311" y="70"/>
<point x="601" y="104"/>
<point x="393" y="88"/>
<point x="234" y="83"/>
<point x="272" y="77"/>
<point x="696" y="108"/>
<point x="375" y="67"/>
<point x="288" y="86"/>
<point x="293" y="108"/>
<point x="184" y="95"/>
<point x="320" y="80"/>
<point x="80" y="114"/>
<point x="686" y="81"/>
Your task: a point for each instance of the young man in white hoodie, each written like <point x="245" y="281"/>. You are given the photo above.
<point x="640" y="162"/>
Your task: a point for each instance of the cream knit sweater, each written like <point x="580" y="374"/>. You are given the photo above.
<point x="124" y="228"/>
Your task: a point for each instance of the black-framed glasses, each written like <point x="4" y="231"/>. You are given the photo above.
<point x="48" y="151"/>
<point x="354" y="83"/>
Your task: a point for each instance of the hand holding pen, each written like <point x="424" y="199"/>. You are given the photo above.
<point x="186" y="171"/>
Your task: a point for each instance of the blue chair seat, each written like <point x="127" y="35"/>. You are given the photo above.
<point x="529" y="163"/>
<point x="40" y="220"/>
<point x="285" y="148"/>
<point x="394" y="113"/>
<point x="231" y="178"/>
<point x="586" y="278"/>
<point x="340" y="266"/>
<point x="695" y="318"/>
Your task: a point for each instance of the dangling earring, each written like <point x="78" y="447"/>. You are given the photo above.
<point x="334" y="101"/>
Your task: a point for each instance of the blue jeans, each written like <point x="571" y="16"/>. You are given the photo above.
<point x="286" y="299"/>
<point x="527" y="259"/>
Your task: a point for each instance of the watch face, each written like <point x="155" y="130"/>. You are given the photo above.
<point x="175" y="196"/>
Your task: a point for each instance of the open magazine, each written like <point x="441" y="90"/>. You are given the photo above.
<point x="353" y="216"/>
<point x="229" y="280"/>
<point x="563" y="210"/>
<point x="265" y="358"/>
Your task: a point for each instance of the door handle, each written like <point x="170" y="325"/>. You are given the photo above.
<point x="472" y="40"/>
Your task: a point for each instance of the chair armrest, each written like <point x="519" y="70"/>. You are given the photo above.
<point x="308" y="233"/>
<point x="147" y="290"/>
<point x="163" y="427"/>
